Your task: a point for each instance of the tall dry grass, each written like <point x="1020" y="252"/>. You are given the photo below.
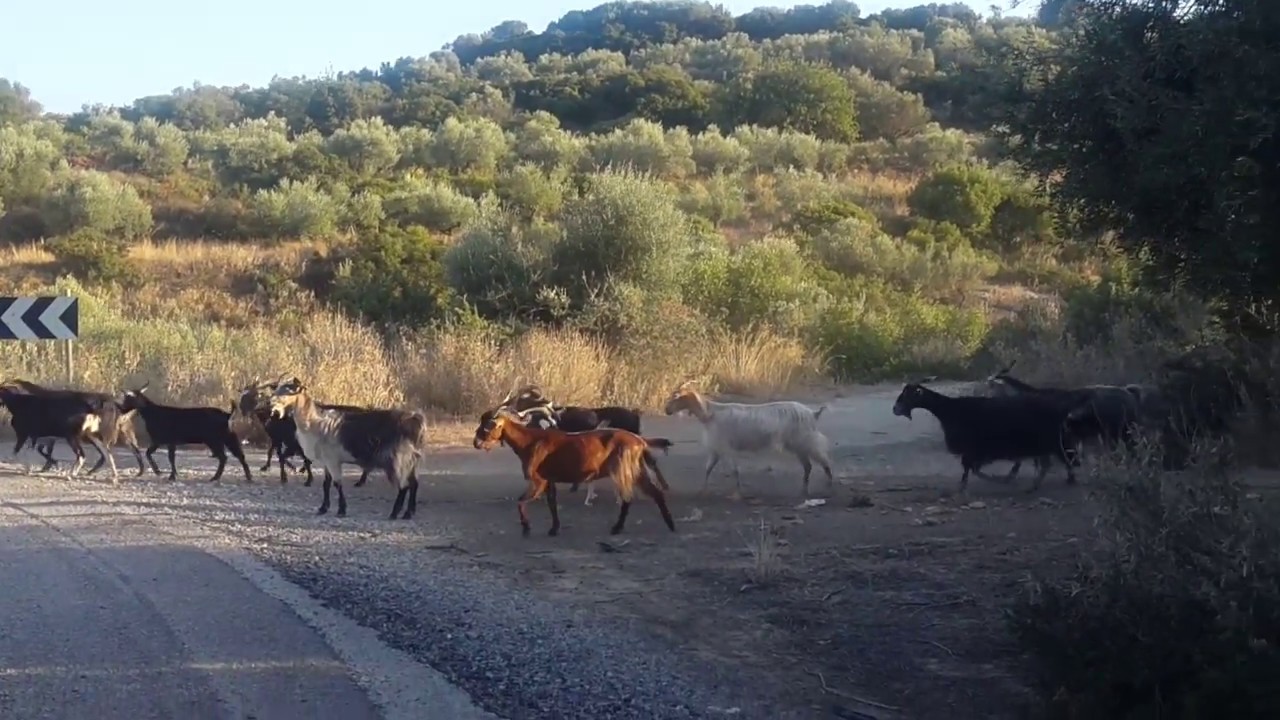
<point x="454" y="374"/>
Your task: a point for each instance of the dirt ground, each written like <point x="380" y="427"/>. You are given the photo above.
<point x="885" y="601"/>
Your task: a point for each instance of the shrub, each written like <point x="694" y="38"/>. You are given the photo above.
<point x="1021" y="220"/>
<point x="90" y="200"/>
<point x="367" y="147"/>
<point x="161" y="149"/>
<point x="295" y="209"/>
<point x="91" y="255"/>
<point x="712" y="152"/>
<point x="474" y="145"/>
<point x="1174" y="613"/>
<point x="430" y="203"/>
<point x="394" y="276"/>
<point x="964" y="195"/>
<point x="254" y="153"/>
<point x="855" y="247"/>
<point x="363" y="212"/>
<point x="533" y="192"/>
<point x="542" y="142"/>
<point x="500" y="266"/>
<point x="29" y="160"/>
<point x="720" y="198"/>
<point x="623" y="226"/>
<point x="873" y="330"/>
<point x="642" y="146"/>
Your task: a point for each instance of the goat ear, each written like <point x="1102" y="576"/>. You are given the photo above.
<point x="929" y="379"/>
<point x="144" y="387"/>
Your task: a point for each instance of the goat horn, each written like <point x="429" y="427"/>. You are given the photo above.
<point x="1008" y="367"/>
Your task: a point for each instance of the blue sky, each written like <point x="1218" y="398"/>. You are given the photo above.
<point x="83" y="51"/>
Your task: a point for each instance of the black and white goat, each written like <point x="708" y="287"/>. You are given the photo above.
<point x="729" y="429"/>
<point x="171" y="426"/>
<point x="390" y="440"/>
<point x="282" y="433"/>
<point x="63" y="417"/>
<point x="571" y="418"/>
<point x="123" y="433"/>
<point x="981" y="430"/>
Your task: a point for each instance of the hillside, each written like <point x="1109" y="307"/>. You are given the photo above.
<point x="642" y="193"/>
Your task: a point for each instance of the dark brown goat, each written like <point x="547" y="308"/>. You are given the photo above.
<point x="553" y="456"/>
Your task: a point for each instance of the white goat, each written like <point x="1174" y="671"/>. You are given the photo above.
<point x="732" y="428"/>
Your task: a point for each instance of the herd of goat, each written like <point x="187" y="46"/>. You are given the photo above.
<point x="567" y="445"/>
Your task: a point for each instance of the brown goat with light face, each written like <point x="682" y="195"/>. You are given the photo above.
<point x="553" y="456"/>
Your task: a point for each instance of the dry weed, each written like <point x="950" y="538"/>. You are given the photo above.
<point x="765" y="546"/>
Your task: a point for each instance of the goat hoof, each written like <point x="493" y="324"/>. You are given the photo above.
<point x="323" y="509"/>
<point x="524" y="531"/>
<point x="342" y="512"/>
<point x="553" y="532"/>
<point x="615" y="530"/>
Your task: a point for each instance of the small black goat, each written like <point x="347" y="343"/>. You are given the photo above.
<point x="65" y="417"/>
<point x="173" y="426"/>
<point x="123" y="433"/>
<point x="255" y="401"/>
<point x="984" y="429"/>
<point x="572" y="418"/>
<point x="391" y="440"/>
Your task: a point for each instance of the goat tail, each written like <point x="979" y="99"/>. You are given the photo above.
<point x="661" y="443"/>
<point x="818" y="413"/>
<point x="652" y="462"/>
<point x="625" y="465"/>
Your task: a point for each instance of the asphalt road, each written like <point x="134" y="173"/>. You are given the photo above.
<point x="105" y="615"/>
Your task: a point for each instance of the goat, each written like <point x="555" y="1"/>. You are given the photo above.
<point x="123" y="432"/>
<point x="1105" y="413"/>
<point x="392" y="440"/>
<point x="71" y="418"/>
<point x="732" y="428"/>
<point x="172" y="426"/>
<point x="983" y="429"/>
<point x="573" y="418"/>
<point x="550" y="456"/>
<point x="282" y="433"/>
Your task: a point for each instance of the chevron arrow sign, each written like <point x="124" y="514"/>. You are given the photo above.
<point x="39" y="318"/>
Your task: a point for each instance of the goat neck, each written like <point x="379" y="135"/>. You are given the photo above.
<point x="698" y="406"/>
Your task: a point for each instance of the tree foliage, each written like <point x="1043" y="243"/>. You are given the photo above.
<point x="1158" y="119"/>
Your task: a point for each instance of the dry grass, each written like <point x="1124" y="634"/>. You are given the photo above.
<point x="765" y="545"/>
<point x="454" y="374"/>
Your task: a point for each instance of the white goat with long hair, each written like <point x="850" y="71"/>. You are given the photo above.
<point x="732" y="428"/>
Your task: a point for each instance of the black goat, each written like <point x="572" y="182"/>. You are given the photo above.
<point x="1104" y="413"/>
<point x="123" y="433"/>
<point x="282" y="433"/>
<point x="984" y="429"/>
<point x="391" y="440"/>
<point x="573" y="418"/>
<point x="65" y="417"/>
<point x="173" y="426"/>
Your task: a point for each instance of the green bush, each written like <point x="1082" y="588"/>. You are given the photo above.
<point x="625" y="227"/>
<point x="430" y="203"/>
<point x="500" y="266"/>
<point x="872" y="330"/>
<point x="857" y="247"/>
<point x="29" y="160"/>
<point x="90" y="200"/>
<point x="295" y="209"/>
<point x="535" y="193"/>
<point x="964" y="195"/>
<point x="394" y="276"/>
<point x="91" y="255"/>
<point x="720" y="199"/>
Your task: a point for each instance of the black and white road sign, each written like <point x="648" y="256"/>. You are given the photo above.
<point x="39" y="318"/>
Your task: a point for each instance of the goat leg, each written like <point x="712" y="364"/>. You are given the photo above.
<point x="364" y="477"/>
<point x="554" y="508"/>
<point x="151" y="458"/>
<point x="274" y="447"/>
<point x="105" y="455"/>
<point x="622" y="518"/>
<point x="173" y="465"/>
<point x="328" y="482"/>
<point x="47" y="452"/>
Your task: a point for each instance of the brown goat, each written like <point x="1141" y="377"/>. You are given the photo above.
<point x="553" y="456"/>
